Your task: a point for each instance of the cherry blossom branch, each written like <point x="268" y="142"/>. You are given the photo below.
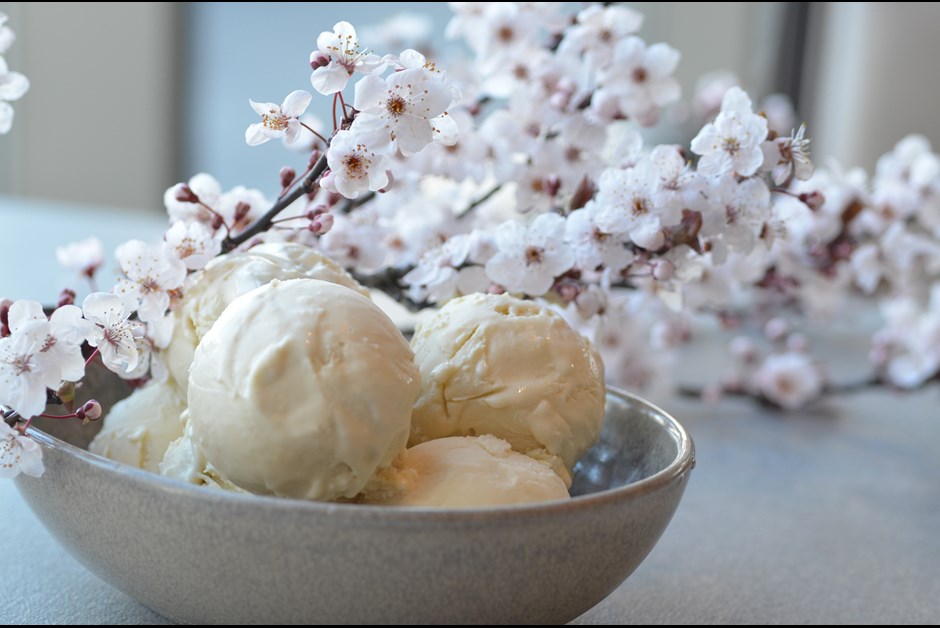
<point x="390" y="283"/>
<point x="264" y="223"/>
<point x="353" y="203"/>
<point x="469" y="208"/>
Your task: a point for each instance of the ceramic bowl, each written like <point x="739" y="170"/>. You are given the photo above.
<point x="196" y="555"/>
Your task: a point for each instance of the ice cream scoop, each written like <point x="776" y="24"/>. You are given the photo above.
<point x="228" y="277"/>
<point x="303" y="389"/>
<point x="464" y="472"/>
<point x="495" y="364"/>
<point x="184" y="461"/>
<point x="138" y="429"/>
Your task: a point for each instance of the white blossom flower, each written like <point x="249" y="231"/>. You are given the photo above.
<point x="188" y="202"/>
<point x="465" y="158"/>
<point x="25" y="373"/>
<point x="7" y="37"/>
<point x="278" y="121"/>
<point x="598" y="29"/>
<point x="867" y="267"/>
<point x="66" y="330"/>
<point x="151" y="338"/>
<point x="358" y="162"/>
<point x="403" y="104"/>
<point x="500" y="32"/>
<point x="354" y="245"/>
<point x="85" y="256"/>
<point x="788" y="157"/>
<point x="113" y="334"/>
<point x="736" y="212"/>
<point x="436" y="276"/>
<point x="240" y="207"/>
<point x="530" y="257"/>
<point x="790" y="379"/>
<point x="593" y="247"/>
<point x="638" y="202"/>
<point x="18" y="454"/>
<point x="13" y="86"/>
<point x="151" y="273"/>
<point x="732" y="143"/>
<point x="194" y="243"/>
<point x="338" y="57"/>
<point x="641" y="78"/>
<point x="910" y="340"/>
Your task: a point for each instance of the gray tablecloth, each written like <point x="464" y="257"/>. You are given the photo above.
<point x="828" y="515"/>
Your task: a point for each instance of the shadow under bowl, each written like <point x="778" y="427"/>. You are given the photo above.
<point x="197" y="555"/>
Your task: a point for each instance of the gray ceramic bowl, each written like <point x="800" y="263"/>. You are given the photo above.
<point x="200" y="556"/>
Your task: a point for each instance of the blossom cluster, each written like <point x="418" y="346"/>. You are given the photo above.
<point x="13" y="85"/>
<point x="525" y="168"/>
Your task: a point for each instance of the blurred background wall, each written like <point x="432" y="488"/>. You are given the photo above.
<point x="129" y="98"/>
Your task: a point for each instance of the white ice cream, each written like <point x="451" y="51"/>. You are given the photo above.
<point x="303" y="389"/>
<point x="138" y="429"/>
<point x="464" y="472"/>
<point x="184" y="461"/>
<point x="228" y="277"/>
<point x="494" y="364"/>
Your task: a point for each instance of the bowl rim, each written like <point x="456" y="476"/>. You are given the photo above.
<point x="681" y="464"/>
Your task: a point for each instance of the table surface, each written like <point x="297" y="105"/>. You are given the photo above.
<point x="828" y="515"/>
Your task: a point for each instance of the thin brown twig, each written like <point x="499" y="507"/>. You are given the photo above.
<point x="469" y="208"/>
<point x="264" y="223"/>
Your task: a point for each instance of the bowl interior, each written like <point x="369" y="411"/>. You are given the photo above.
<point x="201" y="555"/>
<point x="637" y="441"/>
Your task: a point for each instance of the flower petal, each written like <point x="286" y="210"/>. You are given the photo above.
<point x="263" y="108"/>
<point x="103" y="308"/>
<point x="6" y="118"/>
<point x="22" y="312"/>
<point x="446" y="131"/>
<point x="371" y="92"/>
<point x="296" y="103"/>
<point x="13" y="85"/>
<point x="255" y="135"/>
<point x="330" y="78"/>
<point x="68" y="325"/>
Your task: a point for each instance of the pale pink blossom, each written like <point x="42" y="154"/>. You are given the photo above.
<point x="18" y="454"/>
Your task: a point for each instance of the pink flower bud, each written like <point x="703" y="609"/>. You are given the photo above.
<point x="314" y="158"/>
<point x="90" y="411"/>
<point x="813" y="200"/>
<point x="66" y="297"/>
<point x="663" y="270"/>
<point x="5" y="317"/>
<point x="319" y="59"/>
<point x="241" y="210"/>
<point x="559" y="100"/>
<point x="321" y="224"/>
<point x="316" y="211"/>
<point x="567" y="291"/>
<point x="184" y="194"/>
<point x="288" y="175"/>
<point x="552" y="185"/>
